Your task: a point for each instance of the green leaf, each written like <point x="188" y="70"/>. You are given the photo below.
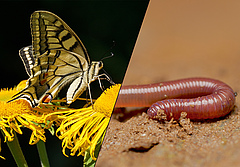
<point x="88" y="161"/>
<point x="52" y="130"/>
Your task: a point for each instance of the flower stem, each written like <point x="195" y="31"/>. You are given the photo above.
<point x="42" y="153"/>
<point x="16" y="151"/>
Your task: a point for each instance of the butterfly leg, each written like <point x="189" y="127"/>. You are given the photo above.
<point x="99" y="77"/>
<point x="89" y="91"/>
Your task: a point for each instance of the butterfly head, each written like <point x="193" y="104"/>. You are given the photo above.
<point x="99" y="64"/>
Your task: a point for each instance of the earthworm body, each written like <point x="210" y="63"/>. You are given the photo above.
<point x="200" y="98"/>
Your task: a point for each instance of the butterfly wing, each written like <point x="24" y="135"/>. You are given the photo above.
<point x="51" y="32"/>
<point x="28" y="59"/>
<point x="53" y="70"/>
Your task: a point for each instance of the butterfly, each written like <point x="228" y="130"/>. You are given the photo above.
<point x="56" y="58"/>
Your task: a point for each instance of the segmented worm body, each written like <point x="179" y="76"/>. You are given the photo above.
<point x="200" y="98"/>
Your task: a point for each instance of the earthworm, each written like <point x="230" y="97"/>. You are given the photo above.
<point x="200" y="98"/>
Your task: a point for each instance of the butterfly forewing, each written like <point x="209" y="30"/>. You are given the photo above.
<point x="51" y="32"/>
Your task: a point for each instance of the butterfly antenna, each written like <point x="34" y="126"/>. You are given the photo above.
<point x="107" y="76"/>
<point x="109" y="50"/>
<point x="107" y="57"/>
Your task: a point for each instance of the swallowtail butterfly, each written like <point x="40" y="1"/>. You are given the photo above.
<point x="56" y="57"/>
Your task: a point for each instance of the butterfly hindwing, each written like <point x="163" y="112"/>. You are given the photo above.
<point x="51" y="72"/>
<point x="28" y="59"/>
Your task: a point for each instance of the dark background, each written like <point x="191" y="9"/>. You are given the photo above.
<point x="97" y="23"/>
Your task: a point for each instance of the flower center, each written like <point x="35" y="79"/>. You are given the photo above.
<point x="14" y="107"/>
<point x="105" y="103"/>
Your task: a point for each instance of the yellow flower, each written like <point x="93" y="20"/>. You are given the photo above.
<point x="81" y="129"/>
<point x="17" y="114"/>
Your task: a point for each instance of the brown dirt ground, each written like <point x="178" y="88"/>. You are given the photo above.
<point x="180" y="39"/>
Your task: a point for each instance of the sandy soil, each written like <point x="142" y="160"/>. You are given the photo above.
<point x="180" y="39"/>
